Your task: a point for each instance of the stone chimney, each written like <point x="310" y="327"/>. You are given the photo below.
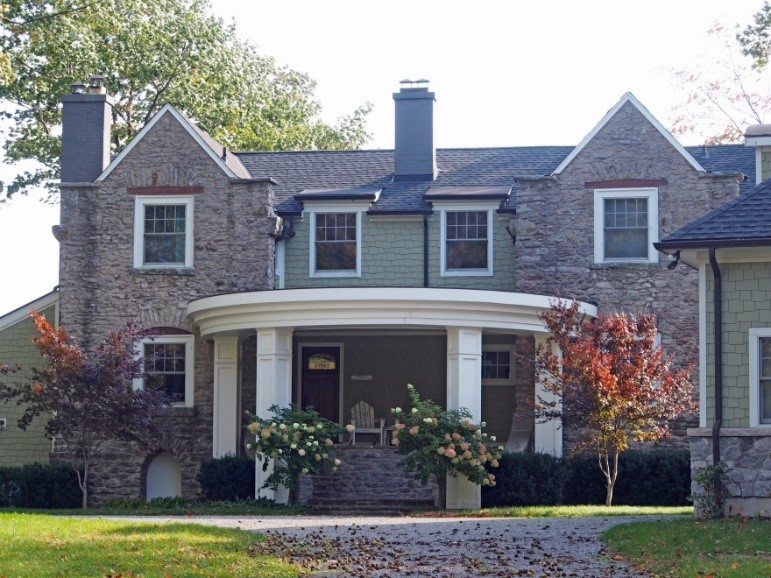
<point x="414" y="154"/>
<point x="86" y="121"/>
<point x="759" y="136"/>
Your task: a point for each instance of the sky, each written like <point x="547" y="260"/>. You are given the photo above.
<point x="505" y="73"/>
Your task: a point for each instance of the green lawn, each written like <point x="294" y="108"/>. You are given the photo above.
<point x="732" y="548"/>
<point x="35" y="545"/>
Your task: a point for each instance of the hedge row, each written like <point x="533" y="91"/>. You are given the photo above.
<point x="229" y="478"/>
<point x="651" y="478"/>
<point x="39" y="486"/>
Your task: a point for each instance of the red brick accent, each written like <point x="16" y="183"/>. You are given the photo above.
<point x="625" y="183"/>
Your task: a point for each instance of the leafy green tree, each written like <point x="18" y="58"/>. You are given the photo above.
<point x="755" y="39"/>
<point x="149" y="52"/>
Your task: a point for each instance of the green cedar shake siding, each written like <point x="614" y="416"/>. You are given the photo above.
<point x="18" y="447"/>
<point x="746" y="298"/>
<point x="392" y="256"/>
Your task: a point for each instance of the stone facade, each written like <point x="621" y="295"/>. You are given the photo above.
<point x="747" y="455"/>
<point x="101" y="290"/>
<point x="546" y="248"/>
<point x="368" y="480"/>
<point x="554" y="226"/>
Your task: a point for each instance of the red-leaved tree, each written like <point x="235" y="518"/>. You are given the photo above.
<point x="611" y="379"/>
<point x="86" y="398"/>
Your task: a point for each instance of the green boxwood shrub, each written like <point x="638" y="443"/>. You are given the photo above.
<point x="649" y="478"/>
<point x="525" y="480"/>
<point x="645" y="478"/>
<point x="229" y="478"/>
<point x="48" y="486"/>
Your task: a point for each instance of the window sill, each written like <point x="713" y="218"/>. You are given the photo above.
<point x="624" y="264"/>
<point x="335" y="275"/>
<point x="179" y="271"/>
<point x="468" y="273"/>
<point x="178" y="411"/>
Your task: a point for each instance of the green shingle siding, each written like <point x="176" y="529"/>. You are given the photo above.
<point x="746" y="298"/>
<point x="19" y="447"/>
<point x="392" y="256"/>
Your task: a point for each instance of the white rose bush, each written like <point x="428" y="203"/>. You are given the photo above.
<point x="442" y="442"/>
<point x="298" y="441"/>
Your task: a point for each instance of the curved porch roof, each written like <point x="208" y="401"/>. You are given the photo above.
<point x="234" y="313"/>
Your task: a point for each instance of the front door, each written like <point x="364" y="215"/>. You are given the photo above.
<point x="321" y="380"/>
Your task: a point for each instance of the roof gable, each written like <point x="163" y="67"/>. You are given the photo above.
<point x="629" y="98"/>
<point x="231" y="165"/>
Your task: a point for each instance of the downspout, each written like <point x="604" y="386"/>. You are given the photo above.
<point x="425" y="251"/>
<point x="717" y="307"/>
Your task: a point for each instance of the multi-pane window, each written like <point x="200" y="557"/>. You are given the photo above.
<point x="335" y="242"/>
<point x="466" y="240"/>
<point x="625" y="225"/>
<point x="626" y="228"/>
<point x="496" y="365"/>
<point x="163" y="231"/>
<point x="165" y="366"/>
<point x="764" y="380"/>
<point x="164" y="234"/>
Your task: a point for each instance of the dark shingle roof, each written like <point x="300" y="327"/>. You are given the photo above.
<point x="743" y="221"/>
<point x="732" y="158"/>
<point x="297" y="171"/>
<point x="489" y="167"/>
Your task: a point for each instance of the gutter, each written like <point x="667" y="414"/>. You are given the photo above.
<point x="425" y="251"/>
<point x="717" y="307"/>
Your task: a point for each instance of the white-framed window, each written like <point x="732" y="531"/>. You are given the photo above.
<point x="335" y="243"/>
<point x="626" y="225"/>
<point x="169" y="364"/>
<point x="760" y="377"/>
<point x="497" y="364"/>
<point x="163" y="231"/>
<point x="467" y="241"/>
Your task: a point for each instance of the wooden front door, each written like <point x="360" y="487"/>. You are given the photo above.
<point x="321" y="380"/>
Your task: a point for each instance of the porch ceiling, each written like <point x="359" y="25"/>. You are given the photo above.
<point x="371" y="307"/>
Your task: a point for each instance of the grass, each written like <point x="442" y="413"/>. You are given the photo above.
<point x="731" y="548"/>
<point x="175" y="507"/>
<point x="39" y="546"/>
<point x="561" y="511"/>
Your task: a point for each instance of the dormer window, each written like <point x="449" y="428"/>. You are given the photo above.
<point x="335" y="241"/>
<point x="467" y="242"/>
<point x="335" y="244"/>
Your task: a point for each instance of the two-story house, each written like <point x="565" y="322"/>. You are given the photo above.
<point x="326" y="278"/>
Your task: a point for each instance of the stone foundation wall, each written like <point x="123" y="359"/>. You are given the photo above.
<point x="371" y="476"/>
<point x="747" y="455"/>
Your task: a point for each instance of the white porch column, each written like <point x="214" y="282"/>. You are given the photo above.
<point x="548" y="435"/>
<point x="464" y="390"/>
<point x="274" y="387"/>
<point x="226" y="418"/>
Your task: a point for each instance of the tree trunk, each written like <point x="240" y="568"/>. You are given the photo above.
<point x="441" y="499"/>
<point x="84" y="485"/>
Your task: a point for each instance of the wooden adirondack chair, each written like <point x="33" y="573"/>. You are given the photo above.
<point x="363" y="420"/>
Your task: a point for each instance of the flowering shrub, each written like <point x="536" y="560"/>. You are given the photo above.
<point x="440" y="442"/>
<point x="298" y="440"/>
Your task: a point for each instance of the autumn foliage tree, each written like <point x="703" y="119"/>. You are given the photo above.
<point x="86" y="398"/>
<point x="609" y="377"/>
